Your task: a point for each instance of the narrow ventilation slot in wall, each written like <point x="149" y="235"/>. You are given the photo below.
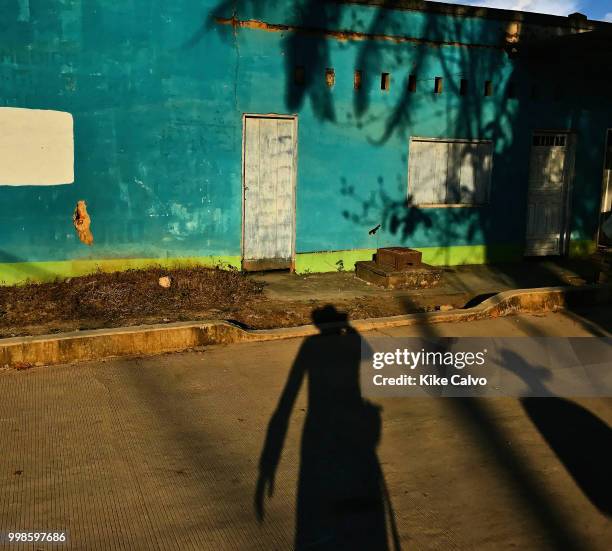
<point x="412" y="83"/>
<point x="463" y="87"/>
<point x="330" y="77"/>
<point x="357" y="79"/>
<point x="511" y="90"/>
<point x="299" y="75"/>
<point x="488" y="88"/>
<point x="385" y="81"/>
<point x="438" y="85"/>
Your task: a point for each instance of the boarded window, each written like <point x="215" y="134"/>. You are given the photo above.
<point x="449" y="172"/>
<point x="36" y="147"/>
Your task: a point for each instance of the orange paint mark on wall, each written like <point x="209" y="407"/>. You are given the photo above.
<point x="82" y="223"/>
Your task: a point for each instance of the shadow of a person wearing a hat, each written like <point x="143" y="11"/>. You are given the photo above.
<point x="342" y="500"/>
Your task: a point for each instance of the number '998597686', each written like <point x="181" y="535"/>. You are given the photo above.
<point x="24" y="537"/>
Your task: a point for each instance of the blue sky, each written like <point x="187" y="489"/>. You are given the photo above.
<point x="593" y="9"/>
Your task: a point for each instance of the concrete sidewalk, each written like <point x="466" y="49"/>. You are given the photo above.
<point x="162" y="454"/>
<point x="23" y="352"/>
<point x="459" y="284"/>
<point x="287" y="300"/>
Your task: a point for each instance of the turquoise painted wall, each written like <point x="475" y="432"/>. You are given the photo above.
<point x="157" y="90"/>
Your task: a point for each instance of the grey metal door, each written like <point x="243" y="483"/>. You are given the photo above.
<point x="605" y="220"/>
<point x="549" y="172"/>
<point x="270" y="146"/>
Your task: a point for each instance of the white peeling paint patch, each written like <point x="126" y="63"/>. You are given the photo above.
<point x="36" y="147"/>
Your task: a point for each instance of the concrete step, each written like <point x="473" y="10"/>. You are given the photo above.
<point x="397" y="257"/>
<point x="422" y="276"/>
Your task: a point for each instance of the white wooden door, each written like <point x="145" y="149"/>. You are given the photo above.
<point x="270" y="146"/>
<point x="549" y="171"/>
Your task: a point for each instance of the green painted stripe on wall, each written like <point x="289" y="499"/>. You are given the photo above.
<point x="331" y="261"/>
<point x="472" y="254"/>
<point x="20" y="272"/>
<point x="581" y="247"/>
<point x="327" y="261"/>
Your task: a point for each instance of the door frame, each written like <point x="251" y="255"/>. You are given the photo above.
<point x="572" y="138"/>
<point x="566" y="199"/>
<point x="294" y="118"/>
<point x="604" y="191"/>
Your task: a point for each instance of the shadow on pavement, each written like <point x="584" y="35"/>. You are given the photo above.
<point x="342" y="499"/>
<point x="581" y="441"/>
<point x="476" y="420"/>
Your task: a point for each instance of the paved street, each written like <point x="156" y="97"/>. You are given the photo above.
<point x="164" y="453"/>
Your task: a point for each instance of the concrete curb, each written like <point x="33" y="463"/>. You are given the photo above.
<point x="174" y="337"/>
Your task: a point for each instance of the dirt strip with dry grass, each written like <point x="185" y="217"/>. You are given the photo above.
<point x="135" y="297"/>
